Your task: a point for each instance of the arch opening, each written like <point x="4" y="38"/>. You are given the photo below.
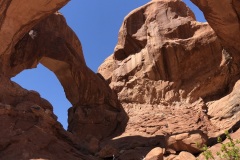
<point x="45" y="82"/>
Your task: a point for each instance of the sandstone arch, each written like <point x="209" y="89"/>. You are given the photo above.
<point x="57" y="47"/>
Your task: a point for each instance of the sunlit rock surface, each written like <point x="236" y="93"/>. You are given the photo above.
<point x="174" y="77"/>
<point x="173" y="83"/>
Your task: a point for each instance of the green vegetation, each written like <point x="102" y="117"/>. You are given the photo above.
<point x="229" y="150"/>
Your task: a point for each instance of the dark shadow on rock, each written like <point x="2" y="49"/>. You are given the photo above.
<point x="130" y="147"/>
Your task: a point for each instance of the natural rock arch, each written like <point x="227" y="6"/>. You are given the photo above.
<point x="57" y="47"/>
<point x="46" y="83"/>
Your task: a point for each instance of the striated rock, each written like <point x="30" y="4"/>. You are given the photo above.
<point x="225" y="112"/>
<point x="155" y="154"/>
<point x="28" y="132"/>
<point x="170" y="73"/>
<point x="172" y="68"/>
<point x="174" y="77"/>
<point x="56" y="46"/>
<point x="225" y="24"/>
<point x="30" y="34"/>
<point x="163" y="70"/>
<point x="17" y="18"/>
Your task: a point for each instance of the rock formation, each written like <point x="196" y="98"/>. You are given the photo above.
<point x="224" y="18"/>
<point x="173" y="77"/>
<point x="166" y="68"/>
<point x="38" y="35"/>
<point x="30" y="129"/>
<point x="57" y="47"/>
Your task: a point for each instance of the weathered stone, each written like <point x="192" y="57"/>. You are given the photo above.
<point x="173" y="75"/>
<point x="29" y="133"/>
<point x="108" y="151"/>
<point x="185" y="156"/>
<point x="225" y="112"/>
<point x="17" y="18"/>
<point x="30" y="34"/>
<point x="167" y="68"/>
<point x="190" y="142"/>
<point x="155" y="154"/>
<point x="94" y="102"/>
<point x="164" y="67"/>
<point x="224" y="18"/>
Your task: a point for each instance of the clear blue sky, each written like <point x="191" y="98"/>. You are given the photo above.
<point x="96" y="23"/>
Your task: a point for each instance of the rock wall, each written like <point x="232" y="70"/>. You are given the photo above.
<point x="32" y="34"/>
<point x="224" y="19"/>
<point x="174" y="77"/>
<point x="57" y="47"/>
<point x="30" y="129"/>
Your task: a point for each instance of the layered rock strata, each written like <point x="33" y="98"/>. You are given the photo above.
<point x="30" y="129"/>
<point x="56" y="46"/>
<point x="32" y="34"/>
<point x="175" y="78"/>
<point x="224" y="18"/>
<point x="166" y="68"/>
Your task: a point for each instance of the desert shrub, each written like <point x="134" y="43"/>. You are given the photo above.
<point x="228" y="151"/>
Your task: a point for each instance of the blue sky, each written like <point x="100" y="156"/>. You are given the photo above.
<point x="96" y="23"/>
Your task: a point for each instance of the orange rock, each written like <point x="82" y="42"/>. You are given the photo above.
<point x="185" y="156"/>
<point x="225" y="24"/>
<point x="190" y="142"/>
<point x="57" y="47"/>
<point x="155" y="154"/>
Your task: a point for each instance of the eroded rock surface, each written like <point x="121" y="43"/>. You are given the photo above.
<point x="175" y="78"/>
<point x="224" y="18"/>
<point x="32" y="34"/>
<point x="171" y="74"/>
<point x="30" y="129"/>
<point x="18" y="17"/>
<point x="56" y="46"/>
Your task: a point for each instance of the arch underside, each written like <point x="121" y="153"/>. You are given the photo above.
<point x="57" y="47"/>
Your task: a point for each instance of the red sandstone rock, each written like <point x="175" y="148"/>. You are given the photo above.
<point x="224" y="19"/>
<point x="38" y="36"/>
<point x="170" y="73"/>
<point x="95" y="106"/>
<point x="155" y="154"/>
<point x="169" y="67"/>
<point x="190" y="142"/>
<point x="18" y="17"/>
<point x="185" y="156"/>
<point x="30" y="130"/>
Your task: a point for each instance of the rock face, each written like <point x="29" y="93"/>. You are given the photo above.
<point x="224" y="19"/>
<point x="177" y="67"/>
<point x="155" y="154"/>
<point x="32" y="34"/>
<point x="95" y="106"/>
<point x="217" y="148"/>
<point x="173" y="75"/>
<point x="56" y="46"/>
<point x="175" y="78"/>
<point x="30" y="129"/>
<point x="17" y="18"/>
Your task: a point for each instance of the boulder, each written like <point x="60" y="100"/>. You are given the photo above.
<point x="155" y="154"/>
<point x="185" y="156"/>
<point x="190" y="142"/>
